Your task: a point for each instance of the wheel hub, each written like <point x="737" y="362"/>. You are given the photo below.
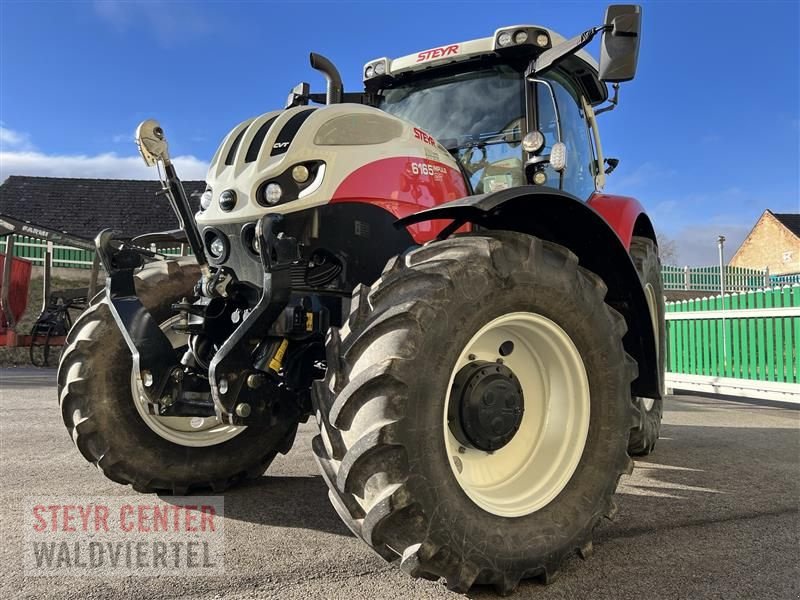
<point x="486" y="406"/>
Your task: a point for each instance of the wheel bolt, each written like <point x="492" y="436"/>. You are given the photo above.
<point x="243" y="410"/>
<point x="147" y="378"/>
<point x="255" y="381"/>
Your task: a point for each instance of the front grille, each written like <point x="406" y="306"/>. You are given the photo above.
<point x="235" y="145"/>
<point x="290" y="130"/>
<point x="258" y="140"/>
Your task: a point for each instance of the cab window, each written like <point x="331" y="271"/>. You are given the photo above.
<point x="578" y="177"/>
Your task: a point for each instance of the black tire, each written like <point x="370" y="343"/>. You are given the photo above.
<point x="94" y="385"/>
<point x="380" y="409"/>
<point x="645" y="432"/>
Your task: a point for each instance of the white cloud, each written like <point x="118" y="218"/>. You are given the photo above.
<point x="14" y="139"/>
<point x="18" y="156"/>
<point x="108" y="165"/>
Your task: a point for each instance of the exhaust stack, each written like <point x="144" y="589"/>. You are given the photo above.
<point x="335" y="90"/>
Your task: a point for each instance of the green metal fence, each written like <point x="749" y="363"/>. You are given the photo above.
<point x="34" y="249"/>
<point x="751" y="336"/>
<point x="707" y="279"/>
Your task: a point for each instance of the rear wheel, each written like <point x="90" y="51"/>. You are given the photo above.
<point x="644" y="434"/>
<point x="476" y="410"/>
<point x="114" y="431"/>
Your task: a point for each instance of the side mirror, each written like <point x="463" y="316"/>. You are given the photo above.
<point x="151" y="142"/>
<point x="619" y="51"/>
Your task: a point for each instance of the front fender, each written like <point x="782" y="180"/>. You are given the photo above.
<point x="563" y="219"/>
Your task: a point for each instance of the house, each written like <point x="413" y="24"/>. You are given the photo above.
<point x="773" y="243"/>
<point x="83" y="207"/>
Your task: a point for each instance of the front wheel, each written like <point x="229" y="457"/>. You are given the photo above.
<point x="111" y="427"/>
<point x="475" y="415"/>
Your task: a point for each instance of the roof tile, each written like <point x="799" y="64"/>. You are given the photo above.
<point x="83" y="207"/>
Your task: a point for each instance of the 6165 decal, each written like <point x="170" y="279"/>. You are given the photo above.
<point x="427" y="169"/>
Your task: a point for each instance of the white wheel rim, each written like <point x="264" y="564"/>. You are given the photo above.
<point x="652" y="305"/>
<point x="185" y="431"/>
<point x="531" y="470"/>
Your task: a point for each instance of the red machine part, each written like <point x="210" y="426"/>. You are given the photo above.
<point x="403" y="186"/>
<point x="620" y="212"/>
<point x="18" y="292"/>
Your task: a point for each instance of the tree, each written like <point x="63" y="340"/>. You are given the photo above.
<point x="667" y="249"/>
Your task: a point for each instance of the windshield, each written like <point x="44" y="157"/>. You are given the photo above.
<point x="477" y="115"/>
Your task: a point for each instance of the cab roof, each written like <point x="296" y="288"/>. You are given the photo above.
<point x="512" y="41"/>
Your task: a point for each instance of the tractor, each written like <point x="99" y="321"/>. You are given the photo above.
<point x="430" y="269"/>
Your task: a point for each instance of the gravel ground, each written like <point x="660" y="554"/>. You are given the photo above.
<point x="713" y="513"/>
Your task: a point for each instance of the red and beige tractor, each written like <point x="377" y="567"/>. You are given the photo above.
<point x="430" y="269"/>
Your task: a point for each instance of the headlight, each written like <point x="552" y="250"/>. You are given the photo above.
<point x="273" y="193"/>
<point x="216" y="247"/>
<point x="533" y="141"/>
<point x="205" y="199"/>
<point x="370" y="71"/>
<point x="504" y="39"/>
<point x="294" y="183"/>
<point x="300" y="173"/>
<point x="520" y="37"/>
<point x="542" y="40"/>
<point x="380" y="68"/>
<point x="227" y="200"/>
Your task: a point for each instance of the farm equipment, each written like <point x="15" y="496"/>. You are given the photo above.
<point x="54" y="320"/>
<point x="53" y="323"/>
<point x="429" y="268"/>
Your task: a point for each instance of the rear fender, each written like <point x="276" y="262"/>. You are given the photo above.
<point x="563" y="219"/>
<point x="625" y="216"/>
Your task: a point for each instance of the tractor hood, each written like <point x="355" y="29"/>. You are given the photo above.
<point x="304" y="157"/>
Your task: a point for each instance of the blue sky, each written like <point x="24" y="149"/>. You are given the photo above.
<point x="707" y="133"/>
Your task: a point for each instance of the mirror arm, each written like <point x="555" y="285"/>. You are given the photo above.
<point x="612" y="102"/>
<point x="549" y="58"/>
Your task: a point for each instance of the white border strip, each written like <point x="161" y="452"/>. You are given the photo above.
<point x="736" y="313"/>
<point x="746" y="388"/>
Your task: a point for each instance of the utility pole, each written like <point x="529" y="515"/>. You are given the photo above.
<point x="721" y="246"/>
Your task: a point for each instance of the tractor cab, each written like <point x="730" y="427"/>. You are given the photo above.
<point x="515" y="108"/>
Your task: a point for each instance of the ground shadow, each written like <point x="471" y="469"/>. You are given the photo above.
<point x="285" y="501"/>
<point x="282" y="501"/>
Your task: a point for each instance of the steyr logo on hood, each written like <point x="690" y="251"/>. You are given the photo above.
<point x="438" y="52"/>
<point x="421" y="135"/>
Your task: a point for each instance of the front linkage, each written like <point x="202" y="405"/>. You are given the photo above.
<point x="238" y="334"/>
